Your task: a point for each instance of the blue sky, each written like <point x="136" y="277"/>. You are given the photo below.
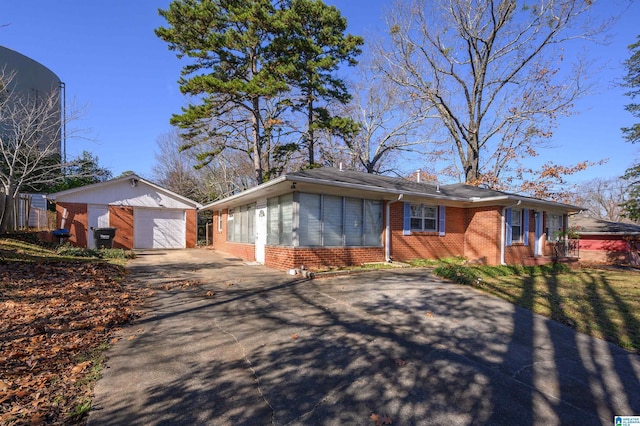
<point x="124" y="78"/>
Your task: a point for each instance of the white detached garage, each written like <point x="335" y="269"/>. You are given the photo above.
<point x="145" y="215"/>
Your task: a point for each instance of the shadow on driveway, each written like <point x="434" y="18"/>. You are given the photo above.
<point x="245" y="344"/>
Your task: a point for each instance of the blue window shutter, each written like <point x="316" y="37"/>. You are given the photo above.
<point x="441" y="219"/>
<point x="507" y="219"/>
<point x="525" y="227"/>
<point x="406" y="224"/>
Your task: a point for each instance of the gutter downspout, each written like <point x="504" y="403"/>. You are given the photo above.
<point x="503" y="236"/>
<point x="387" y="231"/>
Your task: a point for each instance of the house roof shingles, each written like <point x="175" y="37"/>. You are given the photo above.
<point x="459" y="192"/>
<point x="592" y="226"/>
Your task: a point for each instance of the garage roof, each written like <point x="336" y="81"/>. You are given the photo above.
<point x="140" y="192"/>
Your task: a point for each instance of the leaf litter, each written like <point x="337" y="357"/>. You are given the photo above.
<point x="56" y="318"/>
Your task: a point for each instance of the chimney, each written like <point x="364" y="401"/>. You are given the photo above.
<point x="418" y="173"/>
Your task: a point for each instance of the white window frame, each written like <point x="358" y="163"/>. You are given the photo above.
<point x="421" y="211"/>
<point x="516" y="223"/>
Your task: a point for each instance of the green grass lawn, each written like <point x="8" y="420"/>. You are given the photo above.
<point x="603" y="303"/>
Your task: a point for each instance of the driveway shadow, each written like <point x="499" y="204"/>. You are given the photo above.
<point x="268" y="349"/>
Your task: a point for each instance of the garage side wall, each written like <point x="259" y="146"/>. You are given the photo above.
<point x="76" y="223"/>
<point x="121" y="218"/>
<point x="192" y="228"/>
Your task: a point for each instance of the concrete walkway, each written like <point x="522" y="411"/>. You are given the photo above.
<point x="226" y="343"/>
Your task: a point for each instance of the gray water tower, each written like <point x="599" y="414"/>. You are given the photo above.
<point x="32" y="79"/>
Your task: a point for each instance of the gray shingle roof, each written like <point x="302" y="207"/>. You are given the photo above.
<point x="588" y="225"/>
<point x="458" y="190"/>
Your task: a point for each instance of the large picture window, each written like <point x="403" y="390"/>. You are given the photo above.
<point x="240" y="224"/>
<point x="554" y="227"/>
<point x="280" y="220"/>
<point x="327" y="221"/>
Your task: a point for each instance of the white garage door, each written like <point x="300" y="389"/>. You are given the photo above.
<point x="158" y="229"/>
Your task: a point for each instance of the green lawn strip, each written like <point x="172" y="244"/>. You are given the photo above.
<point x="601" y="303"/>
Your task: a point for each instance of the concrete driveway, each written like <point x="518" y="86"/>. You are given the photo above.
<point x="226" y="343"/>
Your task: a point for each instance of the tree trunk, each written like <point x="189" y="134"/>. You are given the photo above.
<point x="310" y="132"/>
<point x="257" y="151"/>
<point x="7" y="222"/>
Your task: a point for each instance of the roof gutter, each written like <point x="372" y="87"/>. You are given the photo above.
<point x="246" y="192"/>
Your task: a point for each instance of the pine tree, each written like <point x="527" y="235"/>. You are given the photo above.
<point x="310" y="48"/>
<point x="228" y="75"/>
<point x="632" y="134"/>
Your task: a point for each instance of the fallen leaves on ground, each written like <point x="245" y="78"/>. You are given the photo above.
<point x="380" y="419"/>
<point x="55" y="318"/>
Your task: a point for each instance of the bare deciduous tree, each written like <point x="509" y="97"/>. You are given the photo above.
<point x="389" y="124"/>
<point x="603" y="198"/>
<point x="30" y="128"/>
<point x="494" y="70"/>
<point x="183" y="172"/>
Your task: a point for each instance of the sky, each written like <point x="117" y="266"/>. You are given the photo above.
<point x="123" y="79"/>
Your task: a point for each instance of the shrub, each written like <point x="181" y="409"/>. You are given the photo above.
<point x="456" y="273"/>
<point x="71" y="251"/>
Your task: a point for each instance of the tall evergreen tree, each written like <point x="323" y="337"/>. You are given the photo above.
<point x="228" y="74"/>
<point x="632" y="133"/>
<point x="311" y="46"/>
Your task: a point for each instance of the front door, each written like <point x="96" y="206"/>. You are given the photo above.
<point x="537" y="246"/>
<point x="261" y="232"/>
<point x="98" y="218"/>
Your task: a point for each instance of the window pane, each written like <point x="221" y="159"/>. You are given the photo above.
<point x="372" y="222"/>
<point x="516" y="217"/>
<point x="230" y="220"/>
<point x="310" y="220"/>
<point x="430" y="218"/>
<point x="516" y="228"/>
<point x="333" y="216"/>
<point x="554" y="226"/>
<point x="353" y="222"/>
<point x="242" y="231"/>
<point x="272" y="221"/>
<point x="251" y="217"/>
<point x="286" y="220"/>
<point x="416" y="224"/>
<point x="430" y="225"/>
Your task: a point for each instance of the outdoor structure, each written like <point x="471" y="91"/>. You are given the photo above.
<point x="32" y="80"/>
<point x="145" y="215"/>
<point x="329" y="217"/>
<point x="602" y="241"/>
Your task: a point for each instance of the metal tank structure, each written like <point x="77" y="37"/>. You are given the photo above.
<point x="32" y="80"/>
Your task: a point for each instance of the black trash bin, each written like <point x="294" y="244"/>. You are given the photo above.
<point x="103" y="237"/>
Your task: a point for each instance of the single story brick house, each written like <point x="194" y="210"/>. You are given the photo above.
<point x="145" y="215"/>
<point x="603" y="241"/>
<point x="328" y="217"/>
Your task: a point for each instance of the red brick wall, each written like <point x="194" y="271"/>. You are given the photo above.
<point x="427" y="245"/>
<point x="121" y="218"/>
<point x="76" y="223"/>
<point x="242" y="250"/>
<point x="604" y="249"/>
<point x="192" y="228"/>
<point x="483" y="234"/>
<point x="518" y="253"/>
<point x="321" y="257"/>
